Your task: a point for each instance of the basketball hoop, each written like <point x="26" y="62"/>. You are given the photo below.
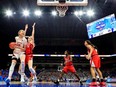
<point x="62" y="10"/>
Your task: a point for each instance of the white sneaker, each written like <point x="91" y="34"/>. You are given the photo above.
<point x="22" y="78"/>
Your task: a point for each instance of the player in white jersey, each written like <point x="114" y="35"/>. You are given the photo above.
<point x="18" y="53"/>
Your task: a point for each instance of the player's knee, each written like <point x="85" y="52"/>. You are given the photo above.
<point x="97" y="69"/>
<point x="13" y="63"/>
<point x="22" y="55"/>
<point x="12" y="66"/>
<point x="92" y="68"/>
<point x="22" y="58"/>
<point x="32" y="70"/>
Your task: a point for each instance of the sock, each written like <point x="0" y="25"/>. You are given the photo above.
<point x="33" y="72"/>
<point x="11" y="70"/>
<point x="22" y="67"/>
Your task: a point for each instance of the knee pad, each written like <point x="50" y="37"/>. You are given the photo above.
<point x="13" y="64"/>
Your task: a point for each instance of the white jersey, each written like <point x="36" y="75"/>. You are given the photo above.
<point x="20" y="42"/>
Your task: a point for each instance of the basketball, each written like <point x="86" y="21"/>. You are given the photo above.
<point x="12" y="45"/>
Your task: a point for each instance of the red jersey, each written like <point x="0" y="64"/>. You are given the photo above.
<point x="29" y="48"/>
<point x="95" y="59"/>
<point x="67" y="60"/>
<point x="94" y="52"/>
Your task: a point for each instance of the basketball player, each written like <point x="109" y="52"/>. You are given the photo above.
<point x="29" y="57"/>
<point x="18" y="53"/>
<point x="94" y="62"/>
<point x="29" y="53"/>
<point x="31" y="74"/>
<point x="68" y="67"/>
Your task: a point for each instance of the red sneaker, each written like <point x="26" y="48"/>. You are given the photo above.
<point x="93" y="84"/>
<point x="102" y="83"/>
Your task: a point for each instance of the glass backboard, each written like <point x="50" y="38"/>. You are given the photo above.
<point x="67" y="3"/>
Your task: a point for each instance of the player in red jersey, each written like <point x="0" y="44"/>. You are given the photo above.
<point x="68" y="67"/>
<point x="29" y="53"/>
<point x="95" y="62"/>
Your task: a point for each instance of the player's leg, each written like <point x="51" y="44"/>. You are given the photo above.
<point x="60" y="77"/>
<point x="73" y="70"/>
<point x="93" y="74"/>
<point x="97" y="76"/>
<point x="25" y="77"/>
<point x="11" y="69"/>
<point x="80" y="81"/>
<point x="98" y="65"/>
<point x="99" y="73"/>
<point x="65" y="70"/>
<point x="22" y="59"/>
<point x="30" y="65"/>
<point x="102" y="82"/>
<point x="92" y="70"/>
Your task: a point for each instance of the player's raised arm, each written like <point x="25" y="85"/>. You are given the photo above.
<point x="26" y="27"/>
<point x="33" y="31"/>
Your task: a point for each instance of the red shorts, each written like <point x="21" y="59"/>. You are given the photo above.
<point x="28" y="57"/>
<point x="95" y="61"/>
<point x="70" y="68"/>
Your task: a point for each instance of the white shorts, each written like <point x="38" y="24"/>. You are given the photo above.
<point x="18" y="55"/>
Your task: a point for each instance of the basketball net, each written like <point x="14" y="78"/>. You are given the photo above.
<point x="62" y="9"/>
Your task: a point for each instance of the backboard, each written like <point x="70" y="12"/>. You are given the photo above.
<point x="67" y="3"/>
<point x="62" y="5"/>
